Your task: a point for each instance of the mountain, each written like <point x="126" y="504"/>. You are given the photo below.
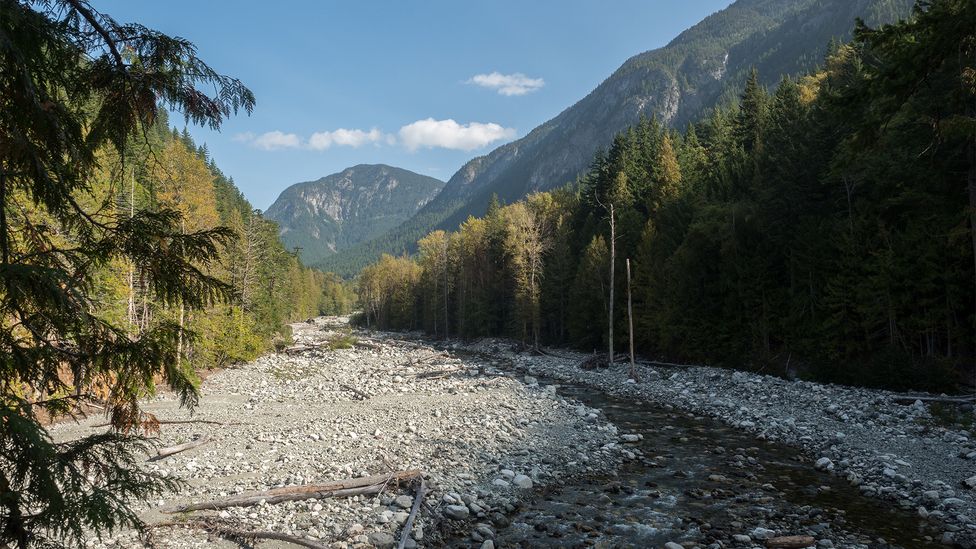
<point x="704" y="66"/>
<point x="359" y="203"/>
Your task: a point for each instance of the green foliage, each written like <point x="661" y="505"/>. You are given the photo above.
<point x="820" y="228"/>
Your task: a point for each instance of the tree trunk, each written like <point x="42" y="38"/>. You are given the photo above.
<point x="630" y="323"/>
<point x="446" y="318"/>
<point x="132" y="266"/>
<point x="613" y="259"/>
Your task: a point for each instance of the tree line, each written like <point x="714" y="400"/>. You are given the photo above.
<point x="822" y="228"/>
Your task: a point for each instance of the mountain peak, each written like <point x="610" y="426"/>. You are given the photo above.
<point x="337" y="211"/>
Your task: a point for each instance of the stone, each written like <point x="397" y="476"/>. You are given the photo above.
<point x="970" y="482"/>
<point x="522" y="482"/>
<point x="824" y="464"/>
<point x="383" y="540"/>
<point x="762" y="533"/>
<point x="488" y="544"/>
<point x="403" y="501"/>
<point x="672" y="545"/>
<point x="456" y="512"/>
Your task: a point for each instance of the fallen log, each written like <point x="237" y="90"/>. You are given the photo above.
<point x="790" y="542"/>
<point x="356" y="391"/>
<point x="367" y="345"/>
<point x="343" y="488"/>
<point x="301" y="348"/>
<point x="910" y="399"/>
<point x="544" y="352"/>
<point x="664" y="364"/>
<point x="407" y="526"/>
<point x="428" y="358"/>
<point x="181" y="422"/>
<point x="436" y="374"/>
<point x="593" y="362"/>
<point x="235" y="534"/>
<point x="164" y="453"/>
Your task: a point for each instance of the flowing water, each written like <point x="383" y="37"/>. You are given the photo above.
<point x="701" y="480"/>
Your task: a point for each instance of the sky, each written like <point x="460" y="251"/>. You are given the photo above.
<point x="422" y="85"/>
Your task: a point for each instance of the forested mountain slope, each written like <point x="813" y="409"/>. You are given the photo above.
<point x="345" y="208"/>
<point x="702" y="67"/>
<point x="821" y="230"/>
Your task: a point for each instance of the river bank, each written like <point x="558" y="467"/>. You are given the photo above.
<point x="521" y="450"/>
<point x="897" y="453"/>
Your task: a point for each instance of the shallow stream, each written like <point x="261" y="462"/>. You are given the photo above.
<point x="699" y="480"/>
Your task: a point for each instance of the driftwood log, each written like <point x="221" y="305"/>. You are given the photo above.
<point x="435" y="374"/>
<point x="428" y="358"/>
<point x="910" y="399"/>
<point x="593" y="362"/>
<point x="235" y="534"/>
<point x="342" y="488"/>
<point x="407" y="526"/>
<point x="362" y="344"/>
<point x="302" y="348"/>
<point x="164" y="453"/>
<point x="181" y="422"/>
<point x="664" y="364"/>
<point x="355" y="391"/>
<point x="790" y="542"/>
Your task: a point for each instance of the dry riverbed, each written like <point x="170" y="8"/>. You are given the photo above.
<point x="483" y="441"/>
<point x="703" y="458"/>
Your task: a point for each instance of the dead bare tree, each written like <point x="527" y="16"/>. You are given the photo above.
<point x="630" y="323"/>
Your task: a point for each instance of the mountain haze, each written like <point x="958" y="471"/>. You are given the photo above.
<point x="703" y="67"/>
<point x="337" y="211"/>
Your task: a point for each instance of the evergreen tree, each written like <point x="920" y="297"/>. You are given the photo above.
<point x="77" y="83"/>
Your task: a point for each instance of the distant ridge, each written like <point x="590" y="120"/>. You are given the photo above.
<point x="340" y="210"/>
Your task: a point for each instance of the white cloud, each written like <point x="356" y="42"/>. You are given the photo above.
<point x="270" y="141"/>
<point x="449" y="134"/>
<point x="428" y="133"/>
<point x="346" y="138"/>
<point x="507" y="84"/>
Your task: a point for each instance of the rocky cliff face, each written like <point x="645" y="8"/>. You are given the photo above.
<point x="704" y="66"/>
<point x="340" y="210"/>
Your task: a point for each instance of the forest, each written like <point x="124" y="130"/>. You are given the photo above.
<point x="823" y="229"/>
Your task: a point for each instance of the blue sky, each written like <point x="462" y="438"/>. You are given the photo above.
<point x="424" y="85"/>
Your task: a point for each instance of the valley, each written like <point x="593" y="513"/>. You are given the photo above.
<point x="521" y="450"/>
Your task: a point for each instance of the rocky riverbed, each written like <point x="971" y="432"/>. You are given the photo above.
<point x="523" y="450"/>
<point x="892" y="452"/>
<point x="483" y="441"/>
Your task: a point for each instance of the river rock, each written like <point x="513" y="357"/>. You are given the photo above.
<point x="382" y="540"/>
<point x="403" y="501"/>
<point x="456" y="512"/>
<point x="824" y="464"/>
<point x="522" y="482"/>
